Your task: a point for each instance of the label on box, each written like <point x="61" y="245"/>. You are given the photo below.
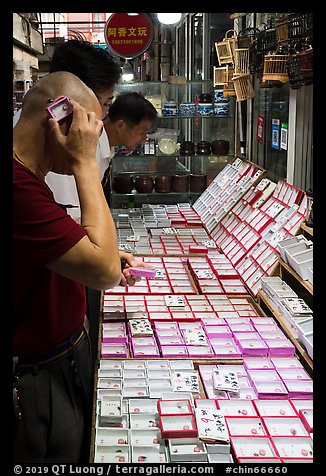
<point x="211" y="425"/>
<point x="204" y="274"/>
<point x="209" y="243"/>
<point x="297" y="306"/>
<point x="185" y="382"/>
<point x="194" y="337"/>
<point x="174" y="301"/>
<point x="140" y="327"/>
<point x="225" y="380"/>
<point x="170" y="231"/>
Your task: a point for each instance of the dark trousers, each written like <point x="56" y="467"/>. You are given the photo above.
<point x="56" y="402"/>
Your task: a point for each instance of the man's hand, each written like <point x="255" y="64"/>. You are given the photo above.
<point x="127" y="261"/>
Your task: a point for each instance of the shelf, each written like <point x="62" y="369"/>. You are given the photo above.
<point x="302" y="353"/>
<point x="307" y="229"/>
<point x="308" y="286"/>
<point x="177" y="116"/>
<point x="154" y="193"/>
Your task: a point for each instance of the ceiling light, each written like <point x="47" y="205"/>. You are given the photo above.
<point x="169" y="18"/>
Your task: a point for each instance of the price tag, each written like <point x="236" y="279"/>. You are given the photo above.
<point x="211" y="425"/>
<point x="225" y="380"/>
<point x="185" y="382"/>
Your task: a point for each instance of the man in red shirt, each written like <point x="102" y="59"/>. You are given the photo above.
<point x="54" y="259"/>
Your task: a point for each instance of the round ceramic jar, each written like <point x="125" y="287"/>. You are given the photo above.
<point x="187" y="148"/>
<point x="123" y="183"/>
<point x="220" y="147"/>
<point x="205" y="109"/>
<point x="187" y="109"/>
<point x="180" y="183"/>
<point x="198" y="183"/>
<point x="203" y="148"/>
<point x="221" y="109"/>
<point x="163" y="183"/>
<point x="144" y="184"/>
<point x="219" y="96"/>
<point x="170" y="108"/>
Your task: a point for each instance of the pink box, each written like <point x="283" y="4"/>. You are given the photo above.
<point x="280" y="347"/>
<point x="218" y="331"/>
<point x="174" y="351"/>
<point x="270" y="389"/>
<point x="299" y="388"/>
<point x="253" y="347"/>
<point x="114" y="350"/>
<point x="259" y="362"/>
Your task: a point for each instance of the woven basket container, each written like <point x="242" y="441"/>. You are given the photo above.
<point x="275" y="68"/>
<point x="243" y="87"/>
<point x="306" y="62"/>
<point x="300" y="25"/>
<point x="282" y="29"/>
<point x="219" y="75"/>
<point x="296" y="78"/>
<point x="225" y="49"/>
<point x="241" y="61"/>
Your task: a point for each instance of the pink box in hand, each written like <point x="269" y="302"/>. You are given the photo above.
<point x="143" y="272"/>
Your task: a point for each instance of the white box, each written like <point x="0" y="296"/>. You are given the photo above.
<point x="144" y="421"/>
<point x="111" y="436"/>
<point x="148" y="454"/>
<point x="187" y="450"/>
<point x="220" y="458"/>
<point x="145" y="405"/>
<point x="112" y="454"/>
<point x="145" y="437"/>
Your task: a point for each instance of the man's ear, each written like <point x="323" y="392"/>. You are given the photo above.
<point x="120" y="124"/>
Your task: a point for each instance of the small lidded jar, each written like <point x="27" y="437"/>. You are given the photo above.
<point x="203" y="148"/>
<point x="144" y="184"/>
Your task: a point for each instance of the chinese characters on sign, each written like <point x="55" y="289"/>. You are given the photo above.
<point x="128" y="35"/>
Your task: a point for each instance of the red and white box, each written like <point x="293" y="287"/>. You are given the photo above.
<point x="178" y="426"/>
<point x="260" y="447"/>
<point x="294" y="449"/>
<point x="174" y="407"/>
<point x="245" y="426"/>
<point x="275" y="408"/>
<point x="306" y="415"/>
<point x="239" y="408"/>
<point x="284" y="426"/>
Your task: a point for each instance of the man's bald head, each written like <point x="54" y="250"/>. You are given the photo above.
<point x="60" y="83"/>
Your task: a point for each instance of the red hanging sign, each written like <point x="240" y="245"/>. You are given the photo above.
<point x="260" y="129"/>
<point x="128" y="34"/>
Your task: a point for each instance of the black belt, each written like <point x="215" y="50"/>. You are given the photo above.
<point x="26" y="364"/>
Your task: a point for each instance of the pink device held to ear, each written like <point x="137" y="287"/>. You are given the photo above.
<point x="60" y="109"/>
<point x="144" y="272"/>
